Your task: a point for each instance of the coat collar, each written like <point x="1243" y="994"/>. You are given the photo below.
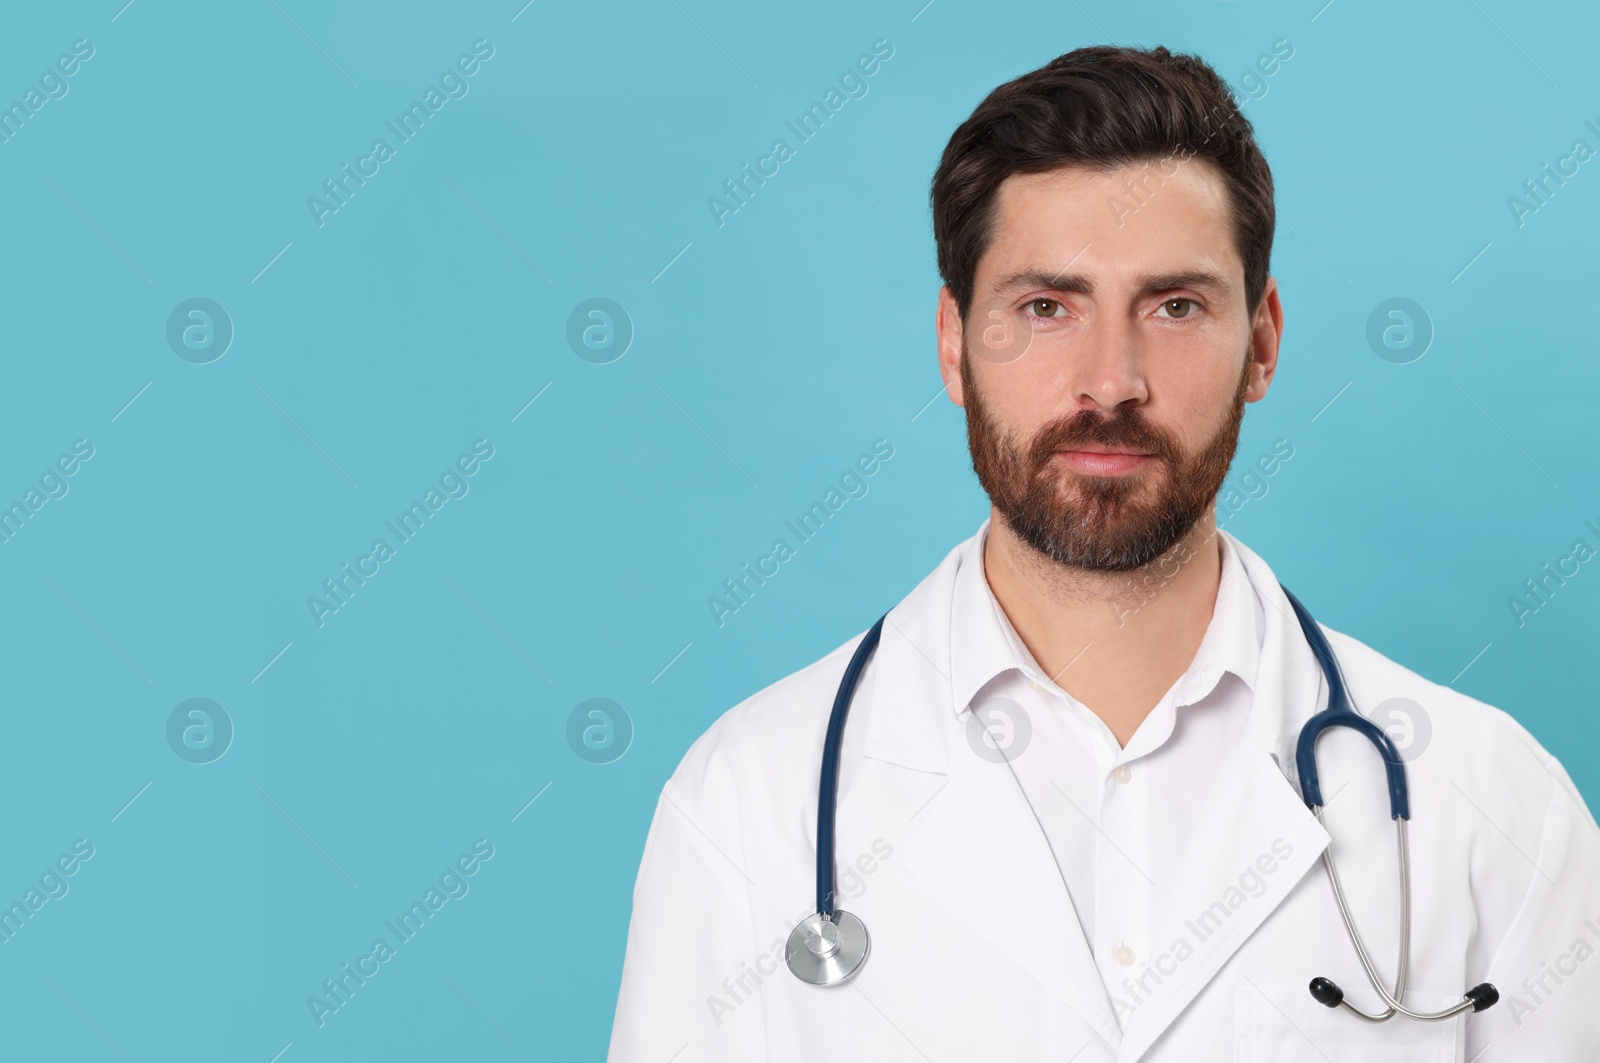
<point x="977" y="846"/>
<point x="921" y="650"/>
<point x="984" y="644"/>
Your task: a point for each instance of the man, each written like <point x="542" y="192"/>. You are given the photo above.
<point x="1069" y="810"/>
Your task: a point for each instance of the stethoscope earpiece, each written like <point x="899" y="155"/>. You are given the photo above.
<point x="1326" y="993"/>
<point x="1480" y="997"/>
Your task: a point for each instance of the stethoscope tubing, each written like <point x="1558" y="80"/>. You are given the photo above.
<point x="1340" y="714"/>
<point x="1337" y="714"/>
<point x="828" y="783"/>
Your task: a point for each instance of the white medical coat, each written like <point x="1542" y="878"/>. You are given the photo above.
<point x="976" y="953"/>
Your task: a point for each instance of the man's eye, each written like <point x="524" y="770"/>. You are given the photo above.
<point x="1176" y="304"/>
<point x="1046" y="308"/>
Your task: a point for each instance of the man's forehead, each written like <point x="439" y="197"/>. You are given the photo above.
<point x="1175" y="219"/>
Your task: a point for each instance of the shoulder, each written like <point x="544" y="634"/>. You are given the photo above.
<point x="1451" y="741"/>
<point x="777" y="732"/>
<point x="769" y="728"/>
<point x="1457" y="739"/>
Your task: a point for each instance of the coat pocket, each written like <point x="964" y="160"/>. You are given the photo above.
<point x="1279" y="1022"/>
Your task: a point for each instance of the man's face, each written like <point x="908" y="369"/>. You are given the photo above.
<point x="1106" y="359"/>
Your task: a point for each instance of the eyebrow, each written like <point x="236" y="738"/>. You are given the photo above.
<point x="1062" y="281"/>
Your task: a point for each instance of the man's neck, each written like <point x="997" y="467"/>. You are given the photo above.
<point x="1115" y="641"/>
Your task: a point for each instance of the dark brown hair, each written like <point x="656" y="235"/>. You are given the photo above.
<point x="1101" y="108"/>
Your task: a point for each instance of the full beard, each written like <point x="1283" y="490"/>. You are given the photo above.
<point x="1098" y="523"/>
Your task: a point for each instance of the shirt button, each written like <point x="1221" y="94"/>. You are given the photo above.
<point x="1122" y="774"/>
<point x="1123" y="955"/>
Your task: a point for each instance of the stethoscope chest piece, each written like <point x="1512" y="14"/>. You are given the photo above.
<point x="825" y="951"/>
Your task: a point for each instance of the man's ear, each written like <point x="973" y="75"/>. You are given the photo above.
<point x="948" y="326"/>
<point x="1266" y="336"/>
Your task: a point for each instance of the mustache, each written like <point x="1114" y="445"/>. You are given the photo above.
<point x="1125" y="429"/>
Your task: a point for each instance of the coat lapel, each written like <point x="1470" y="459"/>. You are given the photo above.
<point x="1253" y="843"/>
<point x="1254" y="838"/>
<point x="978" y="847"/>
<point x="976" y="844"/>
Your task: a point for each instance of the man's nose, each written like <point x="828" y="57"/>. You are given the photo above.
<point x="1107" y="367"/>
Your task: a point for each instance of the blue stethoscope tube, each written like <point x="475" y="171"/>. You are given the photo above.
<point x="830" y="946"/>
<point x="1339" y="714"/>
<point x="828" y="790"/>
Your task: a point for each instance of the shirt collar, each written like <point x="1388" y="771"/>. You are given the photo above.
<point x="984" y="644"/>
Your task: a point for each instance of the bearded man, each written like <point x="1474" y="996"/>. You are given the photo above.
<point x="1070" y="817"/>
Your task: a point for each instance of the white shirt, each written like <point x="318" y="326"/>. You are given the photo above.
<point x="1115" y="818"/>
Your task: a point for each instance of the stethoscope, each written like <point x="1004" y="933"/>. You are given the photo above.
<point x="830" y="945"/>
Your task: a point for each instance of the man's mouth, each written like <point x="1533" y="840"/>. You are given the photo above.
<point x="1099" y="460"/>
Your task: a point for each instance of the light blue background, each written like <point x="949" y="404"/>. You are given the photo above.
<point x="370" y="752"/>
